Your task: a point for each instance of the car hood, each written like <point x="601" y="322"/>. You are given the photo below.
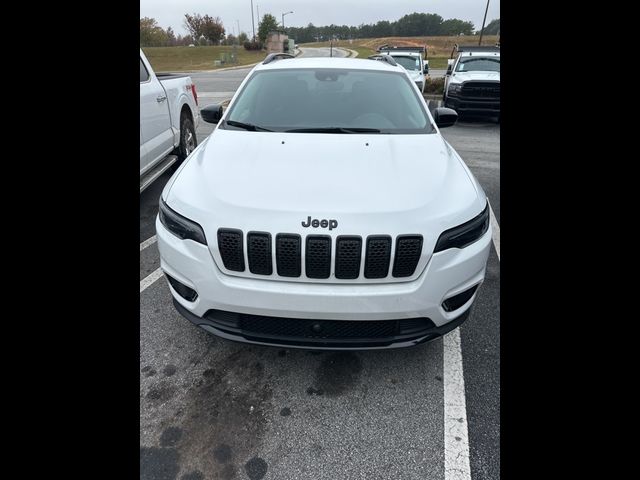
<point x="369" y="184"/>
<point x="459" y="77"/>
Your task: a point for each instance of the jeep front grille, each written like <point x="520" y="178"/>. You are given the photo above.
<point x="320" y="255"/>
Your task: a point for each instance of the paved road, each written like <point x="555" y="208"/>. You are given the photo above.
<point x="323" y="52"/>
<point x="215" y="409"/>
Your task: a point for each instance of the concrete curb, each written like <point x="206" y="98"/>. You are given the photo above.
<point x="352" y="53"/>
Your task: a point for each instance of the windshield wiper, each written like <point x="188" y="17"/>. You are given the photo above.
<point x="333" y="130"/>
<point x="247" y="126"/>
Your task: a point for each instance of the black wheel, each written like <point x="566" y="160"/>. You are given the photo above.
<point x="188" y="140"/>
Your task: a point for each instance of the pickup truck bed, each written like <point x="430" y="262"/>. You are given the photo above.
<point x="169" y="117"/>
<point x="164" y="75"/>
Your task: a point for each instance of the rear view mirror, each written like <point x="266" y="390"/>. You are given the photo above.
<point x="445" y="117"/>
<point x="211" y="113"/>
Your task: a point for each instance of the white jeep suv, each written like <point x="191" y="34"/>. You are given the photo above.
<point x="321" y="214"/>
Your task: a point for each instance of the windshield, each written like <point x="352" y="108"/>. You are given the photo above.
<point x="479" y="64"/>
<point x="409" y="63"/>
<point x="330" y="100"/>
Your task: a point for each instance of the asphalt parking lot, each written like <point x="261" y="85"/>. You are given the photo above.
<point x="213" y="409"/>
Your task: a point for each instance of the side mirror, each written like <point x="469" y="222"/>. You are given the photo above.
<point x="445" y="117"/>
<point x="449" y="68"/>
<point x="211" y="113"/>
<point x="426" y="67"/>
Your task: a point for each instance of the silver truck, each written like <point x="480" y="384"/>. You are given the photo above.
<point x="169" y="117"/>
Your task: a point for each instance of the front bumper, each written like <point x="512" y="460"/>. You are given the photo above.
<point x="469" y="104"/>
<point x="448" y="273"/>
<point x="228" y="325"/>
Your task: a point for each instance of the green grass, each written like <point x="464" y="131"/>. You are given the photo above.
<point x="178" y="59"/>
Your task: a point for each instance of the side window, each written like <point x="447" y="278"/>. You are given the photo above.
<point x="144" y="75"/>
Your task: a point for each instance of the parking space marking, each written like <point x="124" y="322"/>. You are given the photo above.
<point x="150" y="279"/>
<point x="456" y="433"/>
<point x="496" y="231"/>
<point x="456" y="430"/>
<point x="147" y="242"/>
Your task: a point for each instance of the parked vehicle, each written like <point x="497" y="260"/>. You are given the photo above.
<point x="322" y="214"/>
<point x="472" y="81"/>
<point x="412" y="59"/>
<point x="169" y="117"/>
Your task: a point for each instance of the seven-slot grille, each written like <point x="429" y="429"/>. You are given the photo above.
<point x="318" y="255"/>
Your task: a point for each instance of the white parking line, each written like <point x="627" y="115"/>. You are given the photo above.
<point x="150" y="279"/>
<point x="147" y="242"/>
<point x="456" y="430"/>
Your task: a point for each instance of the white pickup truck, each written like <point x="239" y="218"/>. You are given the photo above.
<point x="411" y="58"/>
<point x="472" y="81"/>
<point x="169" y="117"/>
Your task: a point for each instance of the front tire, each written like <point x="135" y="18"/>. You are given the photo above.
<point x="188" y="140"/>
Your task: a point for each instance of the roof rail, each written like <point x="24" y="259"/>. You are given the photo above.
<point x="391" y="48"/>
<point x="384" y="58"/>
<point x="474" y="48"/>
<point x="276" y="56"/>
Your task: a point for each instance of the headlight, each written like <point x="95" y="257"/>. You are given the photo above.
<point x="180" y="226"/>
<point x="454" y="88"/>
<point x="465" y="234"/>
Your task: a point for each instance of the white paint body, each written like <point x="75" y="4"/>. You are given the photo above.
<point x="161" y="103"/>
<point x="272" y="181"/>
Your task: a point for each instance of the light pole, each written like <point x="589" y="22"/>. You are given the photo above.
<point x="483" y="20"/>
<point x="253" y="25"/>
<point x="287" y="13"/>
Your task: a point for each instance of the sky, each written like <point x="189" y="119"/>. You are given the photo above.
<point x="170" y="13"/>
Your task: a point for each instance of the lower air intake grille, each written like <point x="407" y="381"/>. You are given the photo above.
<point x="301" y="328"/>
<point x="377" y="258"/>
<point x="288" y="255"/>
<point x="259" y="253"/>
<point x="231" y="250"/>
<point x="348" y="253"/>
<point x="408" y="250"/>
<point x="318" y="256"/>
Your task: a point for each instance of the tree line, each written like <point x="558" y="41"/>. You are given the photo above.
<point x="208" y="30"/>
<point x="411" y="25"/>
